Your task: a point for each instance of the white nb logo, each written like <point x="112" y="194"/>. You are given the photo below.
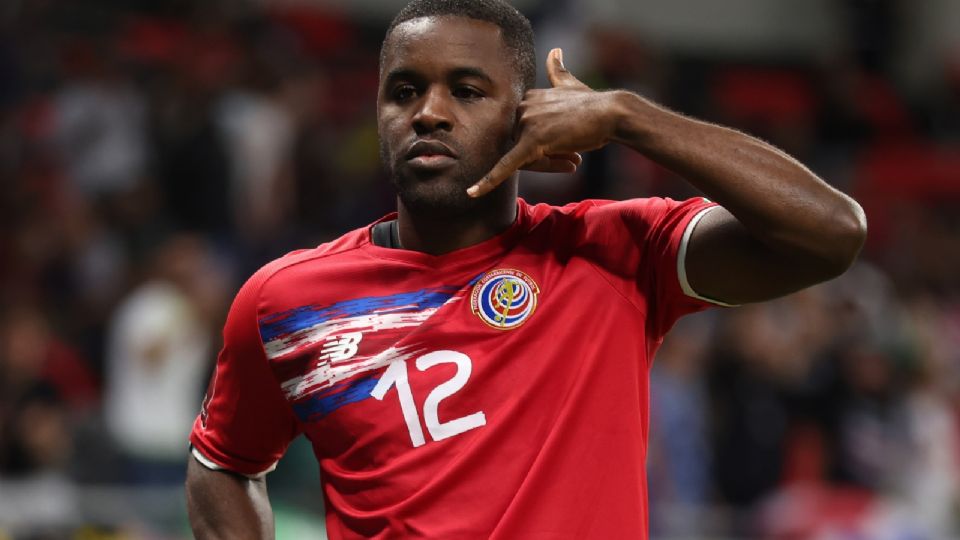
<point x="341" y="347"/>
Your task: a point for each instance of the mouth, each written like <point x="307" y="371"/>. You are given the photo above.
<point x="430" y="155"/>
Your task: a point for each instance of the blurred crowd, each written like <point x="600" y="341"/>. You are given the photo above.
<point x="153" y="154"/>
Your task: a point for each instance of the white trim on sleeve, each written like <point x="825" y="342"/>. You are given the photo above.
<point x="206" y="462"/>
<point x="682" y="258"/>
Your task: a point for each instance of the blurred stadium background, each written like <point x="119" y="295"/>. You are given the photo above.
<point x="155" y="152"/>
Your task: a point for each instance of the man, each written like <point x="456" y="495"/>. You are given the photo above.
<point x="474" y="366"/>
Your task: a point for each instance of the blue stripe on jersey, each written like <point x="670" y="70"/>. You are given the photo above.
<point x="288" y="322"/>
<point x="319" y="406"/>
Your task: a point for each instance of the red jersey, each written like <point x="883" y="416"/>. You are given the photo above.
<point x="498" y="391"/>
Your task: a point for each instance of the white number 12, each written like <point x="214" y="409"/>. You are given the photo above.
<point x="396" y="374"/>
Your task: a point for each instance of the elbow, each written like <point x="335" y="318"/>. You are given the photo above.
<point x="848" y="232"/>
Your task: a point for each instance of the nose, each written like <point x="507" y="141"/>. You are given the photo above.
<point x="433" y="113"/>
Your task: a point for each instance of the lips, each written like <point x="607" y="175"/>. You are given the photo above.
<point x="428" y="149"/>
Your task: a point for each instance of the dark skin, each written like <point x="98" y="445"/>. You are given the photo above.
<point x="465" y="100"/>
<point x="223" y="505"/>
<point x="781" y="228"/>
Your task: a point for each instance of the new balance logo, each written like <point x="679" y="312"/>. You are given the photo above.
<point x="342" y="347"/>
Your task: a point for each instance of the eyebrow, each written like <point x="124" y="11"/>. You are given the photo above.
<point x="455" y="73"/>
<point x="467" y="72"/>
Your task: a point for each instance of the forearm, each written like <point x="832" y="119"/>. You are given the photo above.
<point x="777" y="199"/>
<point x="222" y="505"/>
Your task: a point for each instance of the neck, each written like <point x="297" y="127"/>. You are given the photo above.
<point x="437" y="235"/>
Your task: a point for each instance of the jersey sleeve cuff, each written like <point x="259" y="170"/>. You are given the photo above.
<point x="214" y="466"/>
<point x="682" y="259"/>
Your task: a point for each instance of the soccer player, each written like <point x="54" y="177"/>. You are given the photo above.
<point x="474" y="366"/>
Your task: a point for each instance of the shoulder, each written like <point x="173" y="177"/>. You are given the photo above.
<point x="288" y="274"/>
<point x="600" y="208"/>
<point x="601" y="215"/>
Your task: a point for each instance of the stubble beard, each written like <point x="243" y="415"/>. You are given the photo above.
<point x="438" y="198"/>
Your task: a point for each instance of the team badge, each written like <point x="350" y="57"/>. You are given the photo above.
<point x="504" y="299"/>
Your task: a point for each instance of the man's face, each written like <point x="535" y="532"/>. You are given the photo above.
<point x="446" y="110"/>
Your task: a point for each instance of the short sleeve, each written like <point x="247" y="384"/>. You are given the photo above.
<point x="646" y="240"/>
<point x="665" y="283"/>
<point x="245" y="423"/>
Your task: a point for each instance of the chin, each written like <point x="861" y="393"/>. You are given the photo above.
<point x="438" y="201"/>
<point x="439" y="196"/>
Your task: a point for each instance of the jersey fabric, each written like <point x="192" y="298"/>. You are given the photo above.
<point x="499" y="391"/>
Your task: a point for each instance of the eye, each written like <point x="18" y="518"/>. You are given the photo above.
<point x="403" y="92"/>
<point x="467" y="93"/>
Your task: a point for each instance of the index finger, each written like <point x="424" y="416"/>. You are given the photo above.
<point x="520" y="154"/>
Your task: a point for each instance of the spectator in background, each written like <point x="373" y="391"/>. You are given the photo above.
<point x="258" y="131"/>
<point x="160" y="342"/>
<point x="100" y="121"/>
<point x="42" y="380"/>
<point x="930" y="478"/>
<point x="748" y="414"/>
<point x="192" y="169"/>
<point x="45" y="389"/>
<point x="679" y="461"/>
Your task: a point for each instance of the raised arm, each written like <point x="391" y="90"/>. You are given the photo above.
<point x="223" y="505"/>
<point x="781" y="228"/>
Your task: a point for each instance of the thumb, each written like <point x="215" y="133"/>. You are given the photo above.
<point x="557" y="73"/>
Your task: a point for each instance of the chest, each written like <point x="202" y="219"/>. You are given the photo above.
<point x="393" y="359"/>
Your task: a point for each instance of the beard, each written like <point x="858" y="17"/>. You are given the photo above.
<point x="443" y="194"/>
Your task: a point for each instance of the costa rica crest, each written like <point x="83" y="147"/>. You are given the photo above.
<point x="504" y="298"/>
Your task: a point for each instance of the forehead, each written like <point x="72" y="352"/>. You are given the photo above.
<point x="446" y="42"/>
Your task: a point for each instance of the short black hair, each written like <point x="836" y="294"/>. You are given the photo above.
<point x="514" y="27"/>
